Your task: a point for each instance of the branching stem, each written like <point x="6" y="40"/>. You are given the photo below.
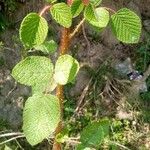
<point x="77" y="28"/>
<point x="11" y="139"/>
<point x="110" y="9"/>
<point x="11" y="134"/>
<point x="44" y="10"/>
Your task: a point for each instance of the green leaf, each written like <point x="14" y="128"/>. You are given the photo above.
<point x="51" y="1"/>
<point x="7" y="148"/>
<point x="89" y="13"/>
<point x="44" y="87"/>
<point x="33" y="30"/>
<point x="33" y="70"/>
<point x="47" y="47"/>
<point x="66" y="69"/>
<point x="95" y="2"/>
<point x="41" y="116"/>
<point x="126" y="26"/>
<point x="76" y="8"/>
<point x="102" y="18"/>
<point x="61" y="12"/>
<point x="94" y="133"/>
<point x="62" y="136"/>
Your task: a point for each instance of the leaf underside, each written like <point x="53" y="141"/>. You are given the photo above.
<point x="33" y="70"/>
<point x="41" y="116"/>
<point x="66" y="69"/>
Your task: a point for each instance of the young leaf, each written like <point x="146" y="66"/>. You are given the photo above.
<point x="102" y="18"/>
<point x="89" y="13"/>
<point x="33" y="70"/>
<point x="76" y="8"/>
<point x="66" y="69"/>
<point x="126" y="26"/>
<point x="41" y="116"/>
<point x="62" y="136"/>
<point x="95" y="2"/>
<point x="94" y="133"/>
<point x="61" y="12"/>
<point x="33" y="30"/>
<point x="47" y="47"/>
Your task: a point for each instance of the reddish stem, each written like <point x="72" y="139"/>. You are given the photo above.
<point x="85" y="2"/>
<point x="65" y="40"/>
<point x="69" y="2"/>
<point x="64" y="46"/>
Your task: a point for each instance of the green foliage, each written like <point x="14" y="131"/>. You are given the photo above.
<point x="3" y="124"/>
<point x="102" y="18"/>
<point x="33" y="30"/>
<point x="94" y="133"/>
<point x="89" y="13"/>
<point x="41" y="116"/>
<point x="47" y="47"/>
<point x="61" y="12"/>
<point x="51" y="1"/>
<point x="76" y="8"/>
<point x="3" y="23"/>
<point x="143" y="55"/>
<point x="2" y="61"/>
<point x="7" y="148"/>
<point x="145" y="96"/>
<point x="33" y="70"/>
<point x="119" y="130"/>
<point x="126" y="26"/>
<point x="46" y="87"/>
<point x="66" y="69"/>
<point x="10" y="6"/>
<point x="95" y="2"/>
<point x="62" y="136"/>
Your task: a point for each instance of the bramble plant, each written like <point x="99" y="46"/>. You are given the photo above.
<point x="43" y="112"/>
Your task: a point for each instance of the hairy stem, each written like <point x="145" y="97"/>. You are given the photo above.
<point x="64" y="45"/>
<point x="63" y="49"/>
